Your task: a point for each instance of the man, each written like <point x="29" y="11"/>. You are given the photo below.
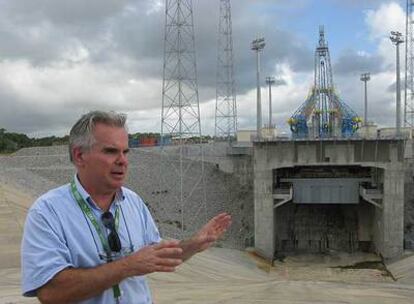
<point x="93" y="240"/>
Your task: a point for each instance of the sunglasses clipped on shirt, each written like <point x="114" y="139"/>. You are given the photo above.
<point x="114" y="241"/>
<point x="116" y="251"/>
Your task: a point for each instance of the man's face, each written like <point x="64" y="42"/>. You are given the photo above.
<point x="103" y="168"/>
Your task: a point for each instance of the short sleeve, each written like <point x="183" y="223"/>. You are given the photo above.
<point x="44" y="250"/>
<point x="152" y="234"/>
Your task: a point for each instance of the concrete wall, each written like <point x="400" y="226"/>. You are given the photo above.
<point x="263" y="207"/>
<point x="393" y="212"/>
<point x="384" y="226"/>
<point x="243" y="169"/>
<point x="409" y="208"/>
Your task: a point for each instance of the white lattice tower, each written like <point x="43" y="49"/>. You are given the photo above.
<point x="409" y="67"/>
<point x="226" y="109"/>
<point x="182" y="195"/>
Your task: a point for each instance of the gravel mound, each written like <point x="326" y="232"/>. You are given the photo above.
<point x="153" y="175"/>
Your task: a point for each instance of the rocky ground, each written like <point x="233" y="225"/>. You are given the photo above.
<point x="220" y="275"/>
<point x="38" y="169"/>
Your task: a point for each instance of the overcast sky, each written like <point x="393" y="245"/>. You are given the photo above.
<point x="59" y="59"/>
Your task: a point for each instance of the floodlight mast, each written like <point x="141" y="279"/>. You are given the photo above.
<point x="270" y="80"/>
<point x="365" y="77"/>
<point x="257" y="46"/>
<point x="396" y="38"/>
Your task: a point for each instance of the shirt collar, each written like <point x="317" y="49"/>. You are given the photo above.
<point x="119" y="195"/>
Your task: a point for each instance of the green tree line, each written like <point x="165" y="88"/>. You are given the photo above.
<point x="11" y="142"/>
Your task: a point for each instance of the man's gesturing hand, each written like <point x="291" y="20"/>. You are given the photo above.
<point x="206" y="236"/>
<point x="167" y="255"/>
<point x="162" y="257"/>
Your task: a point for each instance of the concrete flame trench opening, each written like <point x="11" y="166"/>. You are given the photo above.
<point x="323" y="209"/>
<point x="321" y="195"/>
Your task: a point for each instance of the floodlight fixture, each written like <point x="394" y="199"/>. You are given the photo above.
<point x="258" y="44"/>
<point x="396" y="37"/>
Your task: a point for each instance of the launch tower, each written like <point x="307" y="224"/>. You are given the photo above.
<point x="323" y="114"/>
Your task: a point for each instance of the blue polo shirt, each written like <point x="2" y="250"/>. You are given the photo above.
<point x="57" y="235"/>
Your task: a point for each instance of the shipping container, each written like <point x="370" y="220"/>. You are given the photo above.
<point x="148" y="142"/>
<point x="133" y="142"/>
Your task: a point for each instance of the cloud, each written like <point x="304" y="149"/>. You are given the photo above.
<point x="71" y="13"/>
<point x="285" y="99"/>
<point x="381" y="101"/>
<point x="354" y="62"/>
<point x="281" y="45"/>
<point x="55" y="67"/>
<point x="358" y="3"/>
<point x="388" y="17"/>
<point x="62" y="92"/>
<point x="59" y="59"/>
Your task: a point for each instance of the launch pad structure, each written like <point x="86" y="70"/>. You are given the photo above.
<point x="330" y="188"/>
<point x="324" y="195"/>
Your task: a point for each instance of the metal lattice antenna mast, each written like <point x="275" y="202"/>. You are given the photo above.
<point x="323" y="83"/>
<point x="409" y="66"/>
<point x="396" y="39"/>
<point x="182" y="170"/>
<point x="226" y="110"/>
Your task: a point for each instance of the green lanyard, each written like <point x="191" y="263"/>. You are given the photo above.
<point x="88" y="212"/>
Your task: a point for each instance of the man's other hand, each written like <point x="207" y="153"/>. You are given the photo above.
<point x="162" y="257"/>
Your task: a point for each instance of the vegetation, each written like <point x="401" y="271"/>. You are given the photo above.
<point x="11" y="142"/>
<point x="144" y="135"/>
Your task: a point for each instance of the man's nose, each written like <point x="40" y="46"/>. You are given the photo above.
<point x="122" y="159"/>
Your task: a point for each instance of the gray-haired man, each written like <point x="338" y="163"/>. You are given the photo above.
<point x="93" y="240"/>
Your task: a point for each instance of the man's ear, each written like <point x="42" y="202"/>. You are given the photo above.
<point x="77" y="156"/>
